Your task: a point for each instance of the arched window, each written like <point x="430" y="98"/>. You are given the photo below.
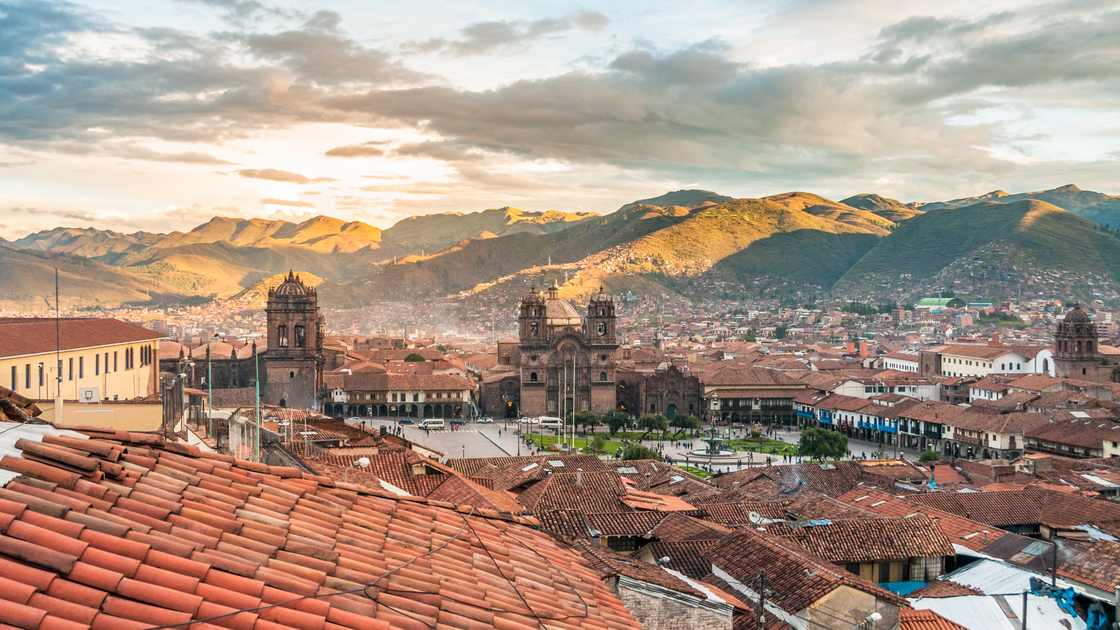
<point x="301" y="336"/>
<point x="1088" y="347"/>
<point x="1079" y="345"/>
<point x="602" y="328"/>
<point x="282" y="335"/>
<point x="532" y="377"/>
<point x="532" y="312"/>
<point x="291" y="374"/>
<point x="533" y="329"/>
<point x="509" y="387"/>
<point x="1046" y="365"/>
<point x="602" y="312"/>
<point x="603" y="376"/>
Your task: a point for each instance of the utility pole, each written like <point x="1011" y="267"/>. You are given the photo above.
<point x="1024" y="626"/>
<point x="257" y="382"/>
<point x="762" y="600"/>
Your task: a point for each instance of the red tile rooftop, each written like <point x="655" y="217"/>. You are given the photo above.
<point x="103" y="529"/>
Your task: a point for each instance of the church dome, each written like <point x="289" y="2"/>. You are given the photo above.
<point x="1076" y="316"/>
<point x="601" y="296"/>
<point x="292" y="286"/>
<point x="559" y="312"/>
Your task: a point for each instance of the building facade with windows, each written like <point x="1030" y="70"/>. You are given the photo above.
<point x="117" y="358"/>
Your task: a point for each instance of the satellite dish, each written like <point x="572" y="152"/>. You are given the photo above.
<point x="755" y="517"/>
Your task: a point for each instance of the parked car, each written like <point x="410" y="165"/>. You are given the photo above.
<point x="485" y="420"/>
<point x="406" y="421"/>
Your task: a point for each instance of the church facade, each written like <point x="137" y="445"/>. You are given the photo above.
<point x="562" y="360"/>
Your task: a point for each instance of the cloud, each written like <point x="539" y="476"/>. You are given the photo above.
<point x="284" y="202"/>
<point x="365" y="149"/>
<point x="483" y="38"/>
<point x="277" y="175"/>
<point x="133" y="152"/>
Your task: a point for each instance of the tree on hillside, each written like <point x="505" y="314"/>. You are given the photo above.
<point x="615" y="420"/>
<point x="637" y="451"/>
<point x="686" y="421"/>
<point x="414" y="357"/>
<point x="823" y="444"/>
<point x="780" y="331"/>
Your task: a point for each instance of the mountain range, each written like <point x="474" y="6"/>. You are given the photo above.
<point x="657" y="242"/>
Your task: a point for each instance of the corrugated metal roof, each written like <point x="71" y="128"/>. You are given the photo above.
<point x="986" y="613"/>
<point x="997" y="578"/>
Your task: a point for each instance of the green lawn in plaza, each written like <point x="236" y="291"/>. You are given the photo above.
<point x="544" y="441"/>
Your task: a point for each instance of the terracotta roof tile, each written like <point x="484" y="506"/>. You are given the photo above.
<point x="173" y="536"/>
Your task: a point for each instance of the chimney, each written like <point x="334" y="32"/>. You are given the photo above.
<point x="384" y="430"/>
<point x="579" y="476"/>
<point x="647" y="482"/>
<point x="985" y="536"/>
<point x="863" y="348"/>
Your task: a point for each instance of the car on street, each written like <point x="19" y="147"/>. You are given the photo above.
<point x="485" y="420"/>
<point x="405" y="421"/>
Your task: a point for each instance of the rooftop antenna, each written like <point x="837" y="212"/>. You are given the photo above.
<point x="57" y="354"/>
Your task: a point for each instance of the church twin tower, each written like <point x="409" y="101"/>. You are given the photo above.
<point x="566" y="361"/>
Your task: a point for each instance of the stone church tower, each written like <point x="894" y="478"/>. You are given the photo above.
<point x="293" y="364"/>
<point x="1075" y="347"/>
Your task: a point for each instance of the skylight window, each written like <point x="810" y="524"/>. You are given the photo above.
<point x="556" y="463"/>
<point x="529" y="467"/>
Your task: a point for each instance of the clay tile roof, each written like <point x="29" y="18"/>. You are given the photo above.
<point x="20" y="337"/>
<point x="796" y="577"/>
<point x="1097" y="566"/>
<point x="687" y="557"/>
<point x="610" y="563"/>
<point x="944" y="588"/>
<point x="119" y="529"/>
<point x="1028" y="506"/>
<point x="910" y="619"/>
<point x="868" y="540"/>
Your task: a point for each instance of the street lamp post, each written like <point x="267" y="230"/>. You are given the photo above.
<point x="210" y="386"/>
<point x="361" y="461"/>
<point x="257" y="382"/>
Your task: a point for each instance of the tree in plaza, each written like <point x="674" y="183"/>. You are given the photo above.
<point x="585" y="419"/>
<point x="653" y="422"/>
<point x="929" y="456"/>
<point x="637" y="451"/>
<point x="686" y="421"/>
<point x="823" y="444"/>
<point x="616" y="419"/>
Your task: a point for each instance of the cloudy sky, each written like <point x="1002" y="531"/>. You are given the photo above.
<point x="156" y="115"/>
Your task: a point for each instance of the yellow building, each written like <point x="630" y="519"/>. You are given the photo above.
<point x="120" y="359"/>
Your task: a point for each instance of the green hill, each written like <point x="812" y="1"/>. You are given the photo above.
<point x="434" y="232"/>
<point x="887" y="208"/>
<point x="1094" y="206"/>
<point x="682" y="198"/>
<point x="1048" y="236"/>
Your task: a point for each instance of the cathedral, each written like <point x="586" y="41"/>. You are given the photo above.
<point x="560" y="361"/>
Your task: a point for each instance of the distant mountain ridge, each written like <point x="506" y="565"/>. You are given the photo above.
<point x="1094" y="206"/>
<point x="796" y="237"/>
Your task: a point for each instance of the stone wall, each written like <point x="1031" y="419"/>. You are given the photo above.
<point x="658" y="613"/>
